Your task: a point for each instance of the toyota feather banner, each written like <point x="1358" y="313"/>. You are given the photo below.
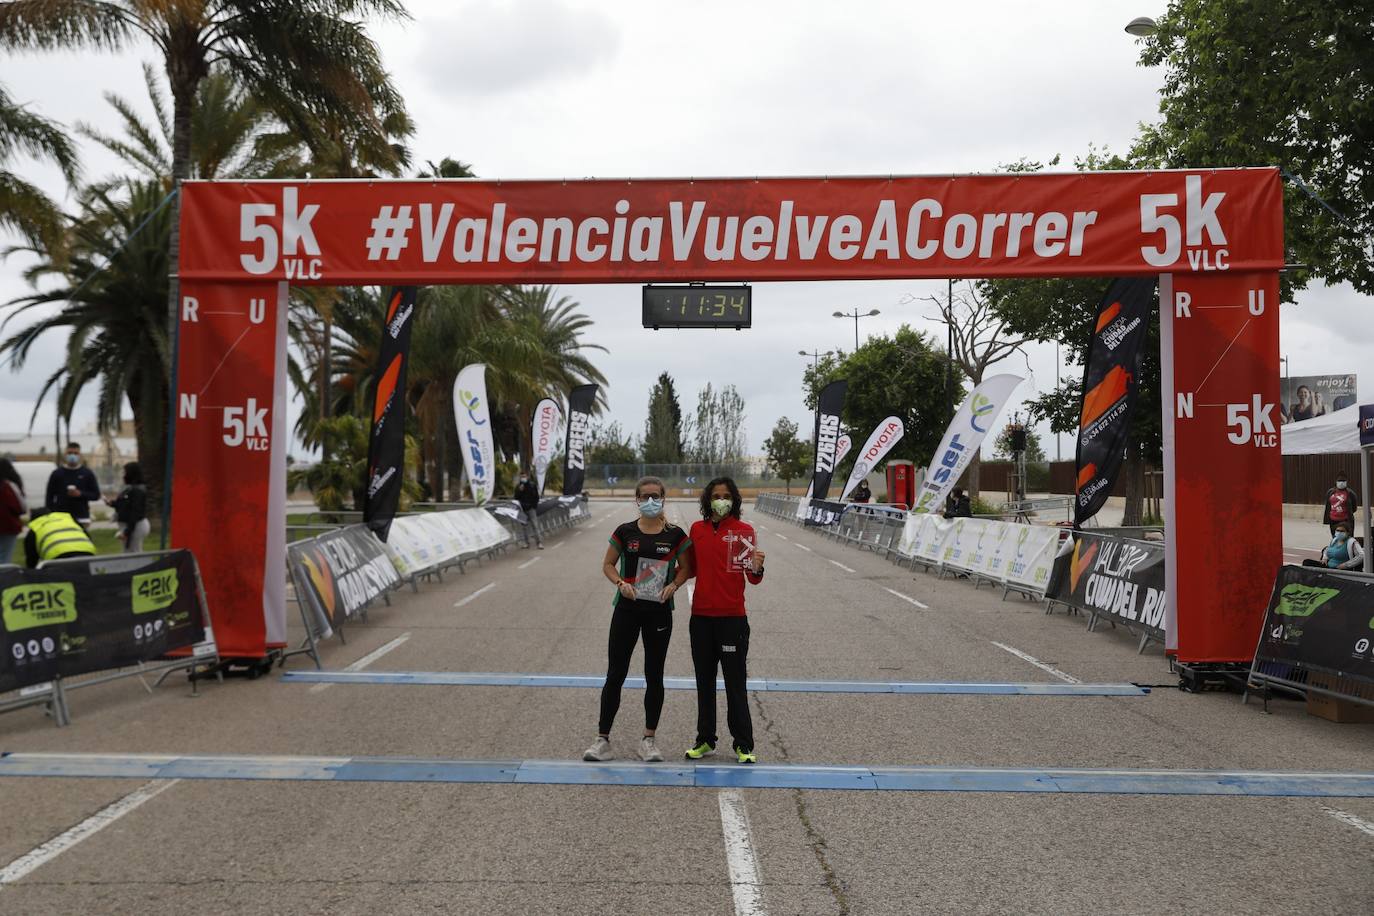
<point x="888" y="433"/>
<point x="962" y="440"/>
<point x="474" y="430"/>
<point x="827" y="437"/>
<point x="387" y="445"/>
<point x="543" y="438"/>
<point x="580" y="401"/>
<point x="1109" y="388"/>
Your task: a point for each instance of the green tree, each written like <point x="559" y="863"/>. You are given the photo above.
<point x="1035" y="451"/>
<point x="310" y="61"/>
<point x="718" y="433"/>
<point x="898" y="376"/>
<point x="23" y="207"/>
<point x="1285" y="83"/>
<point x="609" y="444"/>
<point x="342" y="478"/>
<point x="663" y="438"/>
<point x="788" y="456"/>
<point x="111" y="287"/>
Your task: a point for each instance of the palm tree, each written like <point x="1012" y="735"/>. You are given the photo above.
<point x="23" y="207"/>
<point x="114" y="286"/>
<point x="233" y="135"/>
<point x="309" y="61"/>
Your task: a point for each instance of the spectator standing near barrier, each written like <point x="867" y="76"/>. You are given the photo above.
<point x="528" y="497"/>
<point x="131" y="509"/>
<point x="958" y="505"/>
<point x="725" y="556"/>
<point x="72" y="487"/>
<point x="54" y="535"/>
<point x="1341" y="502"/>
<point x="862" y="493"/>
<point x="647" y="562"/>
<point x="13" y="506"/>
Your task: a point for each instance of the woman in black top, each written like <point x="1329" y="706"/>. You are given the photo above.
<point x="131" y="509"/>
<point x="647" y="561"/>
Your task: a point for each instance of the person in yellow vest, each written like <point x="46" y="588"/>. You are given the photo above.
<point x="54" y="535"/>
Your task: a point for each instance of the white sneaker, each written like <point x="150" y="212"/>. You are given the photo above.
<point x="600" y="751"/>
<point x="648" y="750"/>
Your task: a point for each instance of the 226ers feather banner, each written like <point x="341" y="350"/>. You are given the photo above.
<point x="1110" y="380"/>
<point x="580" y="401"/>
<point x="827" y="436"/>
<point x="386" y="447"/>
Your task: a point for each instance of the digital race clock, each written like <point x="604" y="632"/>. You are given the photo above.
<point x="697" y="307"/>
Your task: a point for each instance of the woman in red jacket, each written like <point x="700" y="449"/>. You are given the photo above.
<point x="725" y="555"/>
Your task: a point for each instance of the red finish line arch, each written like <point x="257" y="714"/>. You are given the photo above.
<point x="1214" y="236"/>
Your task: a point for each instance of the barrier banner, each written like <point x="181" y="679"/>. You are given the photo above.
<point x="826" y="437"/>
<point x="963" y="438"/>
<point x="75" y="618"/>
<point x="543" y="438"/>
<point x="822" y="513"/>
<point x="339" y="573"/>
<point x="1110" y="379"/>
<point x="580" y="402"/>
<point x="888" y="433"/>
<point x="474" y="430"/>
<point x="229" y="481"/>
<point x="1030" y="553"/>
<point x="959" y="542"/>
<point x="420" y="543"/>
<point x="386" y="446"/>
<point x="1321" y="621"/>
<point x="1115" y="577"/>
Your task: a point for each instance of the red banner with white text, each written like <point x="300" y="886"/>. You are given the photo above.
<point x="229" y="482"/>
<point x="476" y="231"/>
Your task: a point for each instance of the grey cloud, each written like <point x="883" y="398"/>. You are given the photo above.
<point x="492" y="49"/>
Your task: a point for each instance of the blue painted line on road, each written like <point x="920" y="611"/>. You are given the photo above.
<point x="698" y="775"/>
<point x="481" y="679"/>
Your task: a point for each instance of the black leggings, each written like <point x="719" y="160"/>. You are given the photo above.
<point x="722" y="642"/>
<point x="627" y="627"/>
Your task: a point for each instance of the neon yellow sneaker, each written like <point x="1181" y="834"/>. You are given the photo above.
<point x="704" y="749"/>
<point x="746" y="756"/>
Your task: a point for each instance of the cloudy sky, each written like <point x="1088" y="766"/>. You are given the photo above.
<point x="562" y="88"/>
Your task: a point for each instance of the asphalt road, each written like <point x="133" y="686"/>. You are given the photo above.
<point x="331" y="847"/>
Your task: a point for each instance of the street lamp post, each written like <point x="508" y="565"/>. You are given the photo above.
<point x="856" y="315"/>
<point x="1142" y="27"/>
<point x="815" y="356"/>
<point x="949" y="353"/>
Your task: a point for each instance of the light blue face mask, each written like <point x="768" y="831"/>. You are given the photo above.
<point x="651" y="507"/>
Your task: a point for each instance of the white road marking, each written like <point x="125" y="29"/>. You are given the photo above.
<point x="530" y="562"/>
<point x="804" y="547"/>
<point x="783" y="537"/>
<point x="920" y="604"/>
<point x="1345" y="817"/>
<point x="739" y="855"/>
<point x="97" y="822"/>
<point x="556" y="546"/>
<point x="486" y="588"/>
<point x="366" y="660"/>
<point x="1067" y="678"/>
<point x="842" y="566"/>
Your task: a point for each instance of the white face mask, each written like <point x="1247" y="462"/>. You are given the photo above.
<point x="1340" y="485"/>
<point x="651" y="507"/>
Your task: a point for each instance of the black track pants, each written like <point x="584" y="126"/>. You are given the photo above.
<point x="627" y="627"/>
<point x="723" y="642"/>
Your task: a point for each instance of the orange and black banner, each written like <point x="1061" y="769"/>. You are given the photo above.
<point x="387" y="445"/>
<point x="1110" y="380"/>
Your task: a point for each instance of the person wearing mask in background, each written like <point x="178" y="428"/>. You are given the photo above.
<point x="647" y="563"/>
<point x="527" y="495"/>
<point x="131" y="509"/>
<point x="958" y="505"/>
<point x="53" y="536"/>
<point x="13" y="506"/>
<point x="862" y="493"/>
<point x="1341" y="502"/>
<point x="725" y="555"/>
<point x="1343" y="552"/>
<point x="72" y="487"/>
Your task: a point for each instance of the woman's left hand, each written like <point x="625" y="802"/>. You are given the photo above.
<point x="668" y="592"/>
<point x="756" y="562"/>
